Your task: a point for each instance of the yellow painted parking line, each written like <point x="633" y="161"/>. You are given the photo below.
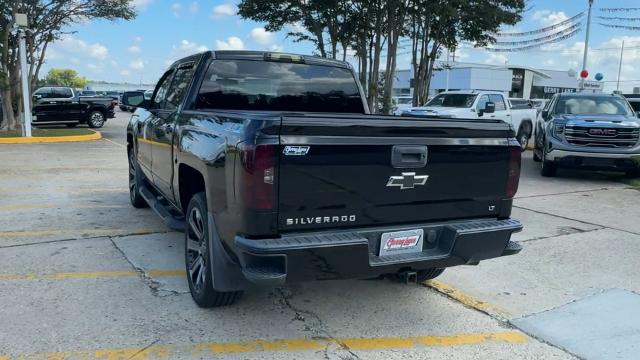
<point x="114" y="143"/>
<point x="51" y="139"/>
<point x="15" y="207"/>
<point x="77" y="232"/>
<point x="89" y="275"/>
<point x="39" y="190"/>
<point x="466" y="299"/>
<point x="211" y="349"/>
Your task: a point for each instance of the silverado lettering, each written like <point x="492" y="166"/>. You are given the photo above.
<point x="277" y="173"/>
<point x="321" y="220"/>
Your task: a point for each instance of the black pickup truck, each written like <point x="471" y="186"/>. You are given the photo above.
<point x="276" y="172"/>
<point x="63" y="105"/>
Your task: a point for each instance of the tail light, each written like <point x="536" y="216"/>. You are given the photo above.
<point x="256" y="178"/>
<point x="513" y="179"/>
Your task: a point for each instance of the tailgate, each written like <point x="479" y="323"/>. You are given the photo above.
<point x="365" y="170"/>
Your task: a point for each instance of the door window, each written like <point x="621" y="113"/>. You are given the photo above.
<point x="45" y="93"/>
<point x="62" y="93"/>
<point x="482" y="102"/>
<point x="158" y="99"/>
<point x="499" y="101"/>
<point x="179" y="86"/>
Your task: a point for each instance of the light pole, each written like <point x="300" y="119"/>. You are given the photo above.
<point x="22" y="23"/>
<point x="586" y="44"/>
<point x="620" y="66"/>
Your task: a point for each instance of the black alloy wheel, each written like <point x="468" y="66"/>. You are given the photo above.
<point x="135" y="179"/>
<point x="198" y="261"/>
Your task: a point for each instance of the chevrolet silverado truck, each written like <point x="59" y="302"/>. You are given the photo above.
<point x="594" y="131"/>
<point x="472" y="104"/>
<point x="58" y="105"/>
<point x="276" y="172"/>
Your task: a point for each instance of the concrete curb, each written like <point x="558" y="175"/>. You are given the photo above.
<point x="51" y="139"/>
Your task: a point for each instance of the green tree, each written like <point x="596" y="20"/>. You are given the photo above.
<point x="65" y="77"/>
<point x="438" y="24"/>
<point x="48" y="20"/>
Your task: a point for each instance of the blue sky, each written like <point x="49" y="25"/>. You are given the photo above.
<point x="166" y="30"/>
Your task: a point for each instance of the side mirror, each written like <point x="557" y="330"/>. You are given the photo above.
<point x="489" y="108"/>
<point x="135" y="99"/>
<point x="544" y="114"/>
<point x="638" y="113"/>
<point x="37" y="97"/>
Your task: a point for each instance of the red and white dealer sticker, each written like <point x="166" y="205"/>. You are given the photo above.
<point x="401" y="242"/>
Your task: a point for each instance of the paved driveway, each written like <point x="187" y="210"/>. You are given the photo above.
<point x="84" y="275"/>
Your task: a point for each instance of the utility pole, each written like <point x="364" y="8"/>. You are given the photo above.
<point x="586" y="44"/>
<point x="22" y="23"/>
<point x="447" y="83"/>
<point x="620" y="67"/>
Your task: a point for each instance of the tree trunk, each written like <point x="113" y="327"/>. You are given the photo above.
<point x="9" y="122"/>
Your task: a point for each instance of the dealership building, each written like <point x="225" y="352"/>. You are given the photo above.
<point x="514" y="81"/>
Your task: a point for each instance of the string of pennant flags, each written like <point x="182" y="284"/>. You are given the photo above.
<point x="541" y="30"/>
<point x="562" y="31"/>
<point x="537" y="45"/>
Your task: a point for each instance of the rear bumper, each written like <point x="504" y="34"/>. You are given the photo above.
<point x="353" y="254"/>
<point x="596" y="160"/>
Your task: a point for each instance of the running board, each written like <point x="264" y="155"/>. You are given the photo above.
<point x="162" y="208"/>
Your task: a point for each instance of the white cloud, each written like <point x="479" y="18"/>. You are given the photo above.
<point x="137" y="64"/>
<point x="547" y="17"/>
<point x="232" y="43"/>
<point x="176" y="9"/>
<point x="125" y="72"/>
<point x="134" y="49"/>
<point x="261" y="36"/>
<point x="137" y="39"/>
<point x="189" y="47"/>
<point x="224" y="10"/>
<point x="185" y="48"/>
<point x="92" y="67"/>
<point x="81" y="47"/>
<point x="278" y="48"/>
<point x="194" y="7"/>
<point x="496" y="59"/>
<point x="141" y="4"/>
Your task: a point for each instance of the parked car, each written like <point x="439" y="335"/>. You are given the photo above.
<point x="402" y="104"/>
<point x="517" y="103"/>
<point x="88" y="93"/>
<point x="471" y="104"/>
<point x="62" y="105"/>
<point x="588" y="131"/>
<point x="115" y="95"/>
<point x="259" y="158"/>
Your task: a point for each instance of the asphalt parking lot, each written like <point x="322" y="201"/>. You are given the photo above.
<point x="84" y="275"/>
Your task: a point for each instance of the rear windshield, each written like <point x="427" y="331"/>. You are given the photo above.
<point x="597" y="104"/>
<point x="453" y="100"/>
<point x="276" y="86"/>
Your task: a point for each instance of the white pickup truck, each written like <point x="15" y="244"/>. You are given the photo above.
<point x="471" y="104"/>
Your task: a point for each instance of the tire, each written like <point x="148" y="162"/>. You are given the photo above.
<point x="429" y="274"/>
<point x="524" y="134"/>
<point x="634" y="173"/>
<point x="536" y="158"/>
<point x="96" y="119"/>
<point x="198" y="257"/>
<point x="548" y="169"/>
<point x="135" y="179"/>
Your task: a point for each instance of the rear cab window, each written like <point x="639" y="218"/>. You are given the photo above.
<point x="279" y="86"/>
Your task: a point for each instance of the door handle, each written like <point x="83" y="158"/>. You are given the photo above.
<point x="409" y="156"/>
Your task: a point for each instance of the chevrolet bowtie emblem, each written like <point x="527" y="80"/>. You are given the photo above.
<point x="408" y="180"/>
